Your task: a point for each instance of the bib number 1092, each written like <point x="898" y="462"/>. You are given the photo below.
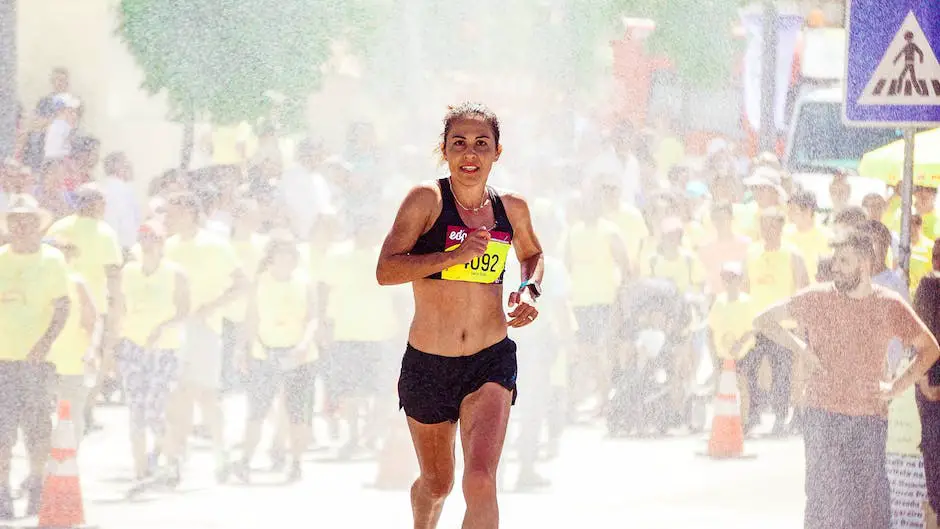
<point x="484" y="263"/>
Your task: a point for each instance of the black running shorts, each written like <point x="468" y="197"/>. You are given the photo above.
<point x="432" y="387"/>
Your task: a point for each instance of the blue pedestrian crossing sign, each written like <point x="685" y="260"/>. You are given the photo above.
<point x="892" y="73"/>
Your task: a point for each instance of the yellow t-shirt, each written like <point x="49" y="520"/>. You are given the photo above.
<point x="729" y="321"/>
<point x="209" y="261"/>
<point x="98" y="247"/>
<point x="812" y="245"/>
<point x="360" y="309"/>
<point x="695" y="235"/>
<point x="746" y="220"/>
<point x="632" y="230"/>
<point x="68" y="352"/>
<point x="226" y="142"/>
<point x="931" y="230"/>
<point x="249" y="253"/>
<point x="686" y="270"/>
<point x="770" y="275"/>
<point x="921" y="261"/>
<point x="29" y="286"/>
<point x="282" y="310"/>
<point x="892" y="215"/>
<point x="150" y="301"/>
<point x="593" y="270"/>
<point x="312" y="258"/>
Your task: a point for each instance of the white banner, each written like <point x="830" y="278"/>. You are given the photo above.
<point x="788" y="33"/>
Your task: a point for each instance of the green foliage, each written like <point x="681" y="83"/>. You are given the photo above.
<point x="694" y="34"/>
<point x="217" y="59"/>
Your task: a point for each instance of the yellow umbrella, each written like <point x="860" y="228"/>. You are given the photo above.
<point x="887" y="163"/>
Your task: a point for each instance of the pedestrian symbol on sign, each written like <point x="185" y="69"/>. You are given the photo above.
<point x="910" y="51"/>
<point x="908" y="74"/>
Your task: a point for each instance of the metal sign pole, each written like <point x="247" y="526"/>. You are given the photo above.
<point x="907" y="191"/>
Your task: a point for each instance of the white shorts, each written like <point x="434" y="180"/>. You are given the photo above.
<point x="201" y="355"/>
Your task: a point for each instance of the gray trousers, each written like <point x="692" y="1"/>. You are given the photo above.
<point x="846" y="481"/>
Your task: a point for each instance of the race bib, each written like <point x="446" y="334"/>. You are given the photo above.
<point x="488" y="268"/>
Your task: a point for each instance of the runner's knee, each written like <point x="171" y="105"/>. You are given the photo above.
<point x="479" y="484"/>
<point x="438" y="485"/>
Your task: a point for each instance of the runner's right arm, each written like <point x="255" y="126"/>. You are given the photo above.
<point x="396" y="266"/>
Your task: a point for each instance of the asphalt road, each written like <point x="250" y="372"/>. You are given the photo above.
<point x="596" y="482"/>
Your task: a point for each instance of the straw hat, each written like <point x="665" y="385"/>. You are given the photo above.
<point x="24" y="204"/>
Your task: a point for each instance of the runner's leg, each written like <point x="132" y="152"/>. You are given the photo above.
<point x="434" y="446"/>
<point x="484" y="416"/>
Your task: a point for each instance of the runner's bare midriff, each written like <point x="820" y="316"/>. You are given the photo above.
<point x="454" y="318"/>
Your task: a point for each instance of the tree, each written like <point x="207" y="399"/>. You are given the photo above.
<point x="695" y="34"/>
<point x="219" y="60"/>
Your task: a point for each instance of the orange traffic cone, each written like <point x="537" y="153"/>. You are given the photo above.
<point x="398" y="468"/>
<point x="61" y="504"/>
<point x="727" y="439"/>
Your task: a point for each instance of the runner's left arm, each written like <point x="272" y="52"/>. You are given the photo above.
<point x="531" y="261"/>
<point x="524" y="241"/>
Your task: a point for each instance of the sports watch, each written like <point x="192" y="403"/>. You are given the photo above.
<point x="535" y="289"/>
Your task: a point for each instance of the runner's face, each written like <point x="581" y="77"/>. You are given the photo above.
<point x="470" y="150"/>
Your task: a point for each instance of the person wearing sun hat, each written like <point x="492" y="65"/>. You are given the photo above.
<point x="774" y="271"/>
<point x="766" y="185"/>
<point x="34" y="306"/>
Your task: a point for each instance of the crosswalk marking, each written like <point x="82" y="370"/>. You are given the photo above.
<point x="908" y="74"/>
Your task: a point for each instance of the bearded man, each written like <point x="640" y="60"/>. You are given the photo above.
<point x="849" y="324"/>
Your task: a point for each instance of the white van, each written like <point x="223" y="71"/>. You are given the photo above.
<point x="819" y="143"/>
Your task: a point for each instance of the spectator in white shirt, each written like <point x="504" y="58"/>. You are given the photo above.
<point x="304" y="190"/>
<point x="59" y="134"/>
<point x="123" y="211"/>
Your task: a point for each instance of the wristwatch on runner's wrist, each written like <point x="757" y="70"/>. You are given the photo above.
<point x="535" y="289"/>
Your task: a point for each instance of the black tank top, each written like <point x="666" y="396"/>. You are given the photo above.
<point x="449" y="231"/>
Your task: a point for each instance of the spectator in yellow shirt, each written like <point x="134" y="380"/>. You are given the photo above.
<point x="804" y="233"/>
<point x="672" y="261"/>
<point x="280" y="328"/>
<point x="74" y="350"/>
<point x="157" y="303"/>
<point x="731" y="315"/>
<point x="216" y="280"/>
<point x="34" y="307"/>
<point x="596" y="258"/>
<point x="364" y="321"/>
<point x="94" y="253"/>
<point x="921" y="253"/>
<point x="925" y="200"/>
<point x="729" y="321"/>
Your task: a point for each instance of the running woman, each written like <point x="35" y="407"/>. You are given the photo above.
<point x="450" y="240"/>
